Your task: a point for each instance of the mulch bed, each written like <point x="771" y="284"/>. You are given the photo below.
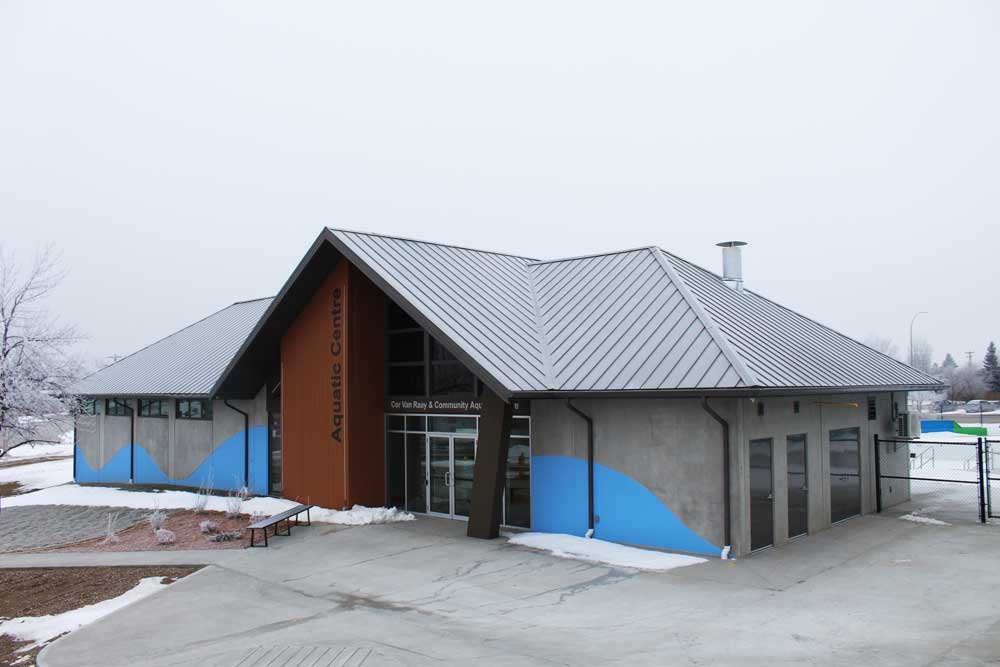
<point x="44" y="591"/>
<point x="185" y="524"/>
<point x="9" y="489"/>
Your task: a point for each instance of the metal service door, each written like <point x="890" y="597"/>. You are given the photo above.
<point x="761" y="494"/>
<point x="798" y="491"/>
<point x="845" y="474"/>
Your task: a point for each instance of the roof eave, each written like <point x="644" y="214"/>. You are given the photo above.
<point x="736" y="392"/>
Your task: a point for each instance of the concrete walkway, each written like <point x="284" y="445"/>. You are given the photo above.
<point x="874" y="590"/>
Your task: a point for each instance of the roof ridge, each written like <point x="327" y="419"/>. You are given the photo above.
<point x="239" y="303"/>
<point x="624" y="251"/>
<point x="713" y="329"/>
<point x="805" y="317"/>
<point x="543" y="340"/>
<point x="437" y="243"/>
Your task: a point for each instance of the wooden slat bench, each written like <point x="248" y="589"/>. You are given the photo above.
<point x="276" y="520"/>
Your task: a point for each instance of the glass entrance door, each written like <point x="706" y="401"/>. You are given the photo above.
<point x="451" y="462"/>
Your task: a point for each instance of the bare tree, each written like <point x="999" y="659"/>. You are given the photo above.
<point x="882" y="344"/>
<point x="36" y="360"/>
<point x="922" y="355"/>
<point x="967" y="384"/>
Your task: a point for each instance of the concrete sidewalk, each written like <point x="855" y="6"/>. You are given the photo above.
<point x="875" y="589"/>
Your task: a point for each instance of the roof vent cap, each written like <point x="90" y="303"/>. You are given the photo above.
<point x="732" y="264"/>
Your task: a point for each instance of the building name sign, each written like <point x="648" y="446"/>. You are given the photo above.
<point x="337" y="364"/>
<point x="445" y="406"/>
<point x="419" y="405"/>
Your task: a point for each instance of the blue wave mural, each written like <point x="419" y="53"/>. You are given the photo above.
<point x="224" y="465"/>
<point x="628" y="511"/>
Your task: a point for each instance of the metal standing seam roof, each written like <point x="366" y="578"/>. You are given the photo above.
<point x="633" y="320"/>
<point x="186" y="363"/>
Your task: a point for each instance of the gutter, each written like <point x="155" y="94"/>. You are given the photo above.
<point x="727" y="511"/>
<point x="590" y="465"/>
<point x="246" y="442"/>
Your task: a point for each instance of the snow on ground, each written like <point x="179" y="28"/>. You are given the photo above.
<point x="100" y="496"/>
<point x="599" y="551"/>
<point x="38" y="475"/>
<point x="63" y="448"/>
<point x="54" y="483"/>
<point x="926" y="520"/>
<point x="42" y="629"/>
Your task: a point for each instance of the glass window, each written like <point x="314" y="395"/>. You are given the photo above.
<point x="398" y="319"/>
<point x="153" y="407"/>
<point x="451" y="378"/>
<point x="520" y="426"/>
<point x="395" y="470"/>
<point x="452" y="425"/>
<point x="439" y="353"/>
<point x="406" y="380"/>
<point x="416" y="472"/>
<point x="406" y="347"/>
<point x="517" y="489"/>
<point x="416" y="424"/>
<point x="194" y="408"/>
<point x="115" y="407"/>
<point x="394" y="422"/>
<point x="88" y="407"/>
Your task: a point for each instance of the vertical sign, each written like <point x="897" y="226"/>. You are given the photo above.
<point x="337" y="364"/>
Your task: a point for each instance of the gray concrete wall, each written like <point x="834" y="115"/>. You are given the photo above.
<point x="115" y="434"/>
<point x="88" y="438"/>
<point x="153" y="435"/>
<point x="670" y="446"/>
<point x="193" y="443"/>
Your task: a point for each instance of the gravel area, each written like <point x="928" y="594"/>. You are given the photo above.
<point x="37" y="526"/>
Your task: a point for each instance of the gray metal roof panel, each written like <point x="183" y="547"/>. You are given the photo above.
<point x="783" y="348"/>
<point x="185" y="363"/>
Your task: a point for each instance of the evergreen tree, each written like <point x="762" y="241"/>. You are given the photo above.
<point x="949" y="362"/>
<point x="991" y="368"/>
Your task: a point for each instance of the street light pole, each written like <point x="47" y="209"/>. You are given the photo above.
<point x="922" y="312"/>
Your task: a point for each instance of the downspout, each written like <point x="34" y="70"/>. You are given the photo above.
<point x="131" y="441"/>
<point x="725" y="473"/>
<point x="246" y="442"/>
<point x="590" y="465"/>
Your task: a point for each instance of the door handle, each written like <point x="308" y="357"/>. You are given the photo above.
<point x="770" y="496"/>
<point x="805" y="488"/>
<point x="447" y="479"/>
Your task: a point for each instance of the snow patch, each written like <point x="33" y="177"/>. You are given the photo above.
<point x="601" y="552"/>
<point x="926" y="520"/>
<point x="99" y="496"/>
<point x="43" y="629"/>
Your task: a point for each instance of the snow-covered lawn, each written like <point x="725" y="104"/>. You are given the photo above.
<point x="599" y="551"/>
<point x="38" y="475"/>
<point x="43" y="629"/>
<point x="63" y="448"/>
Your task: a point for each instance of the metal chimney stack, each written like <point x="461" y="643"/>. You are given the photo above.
<point x="732" y="264"/>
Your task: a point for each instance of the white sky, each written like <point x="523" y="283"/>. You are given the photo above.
<point x="184" y="155"/>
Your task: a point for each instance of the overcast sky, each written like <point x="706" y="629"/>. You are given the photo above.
<point x="184" y="155"/>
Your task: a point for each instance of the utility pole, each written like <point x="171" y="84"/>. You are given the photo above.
<point x="969" y="357"/>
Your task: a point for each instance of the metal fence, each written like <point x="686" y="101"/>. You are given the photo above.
<point x="952" y="480"/>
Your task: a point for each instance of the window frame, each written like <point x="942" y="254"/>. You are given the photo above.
<point x="162" y="403"/>
<point x="205" y="403"/>
<point x="121" y="407"/>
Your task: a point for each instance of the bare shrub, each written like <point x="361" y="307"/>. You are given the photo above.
<point x="110" y="535"/>
<point x="234" y="502"/>
<point x="164" y="536"/>
<point x="257" y="515"/>
<point x="201" y="496"/>
<point x="158" y="519"/>
<point x="208" y="527"/>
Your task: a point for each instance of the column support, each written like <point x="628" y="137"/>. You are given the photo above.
<point x="486" y="508"/>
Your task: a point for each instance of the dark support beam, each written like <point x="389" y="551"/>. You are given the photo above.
<point x="491" y="467"/>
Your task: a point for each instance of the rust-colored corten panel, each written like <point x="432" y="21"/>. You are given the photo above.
<point x="366" y="387"/>
<point x="312" y="403"/>
<point x="332" y="391"/>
